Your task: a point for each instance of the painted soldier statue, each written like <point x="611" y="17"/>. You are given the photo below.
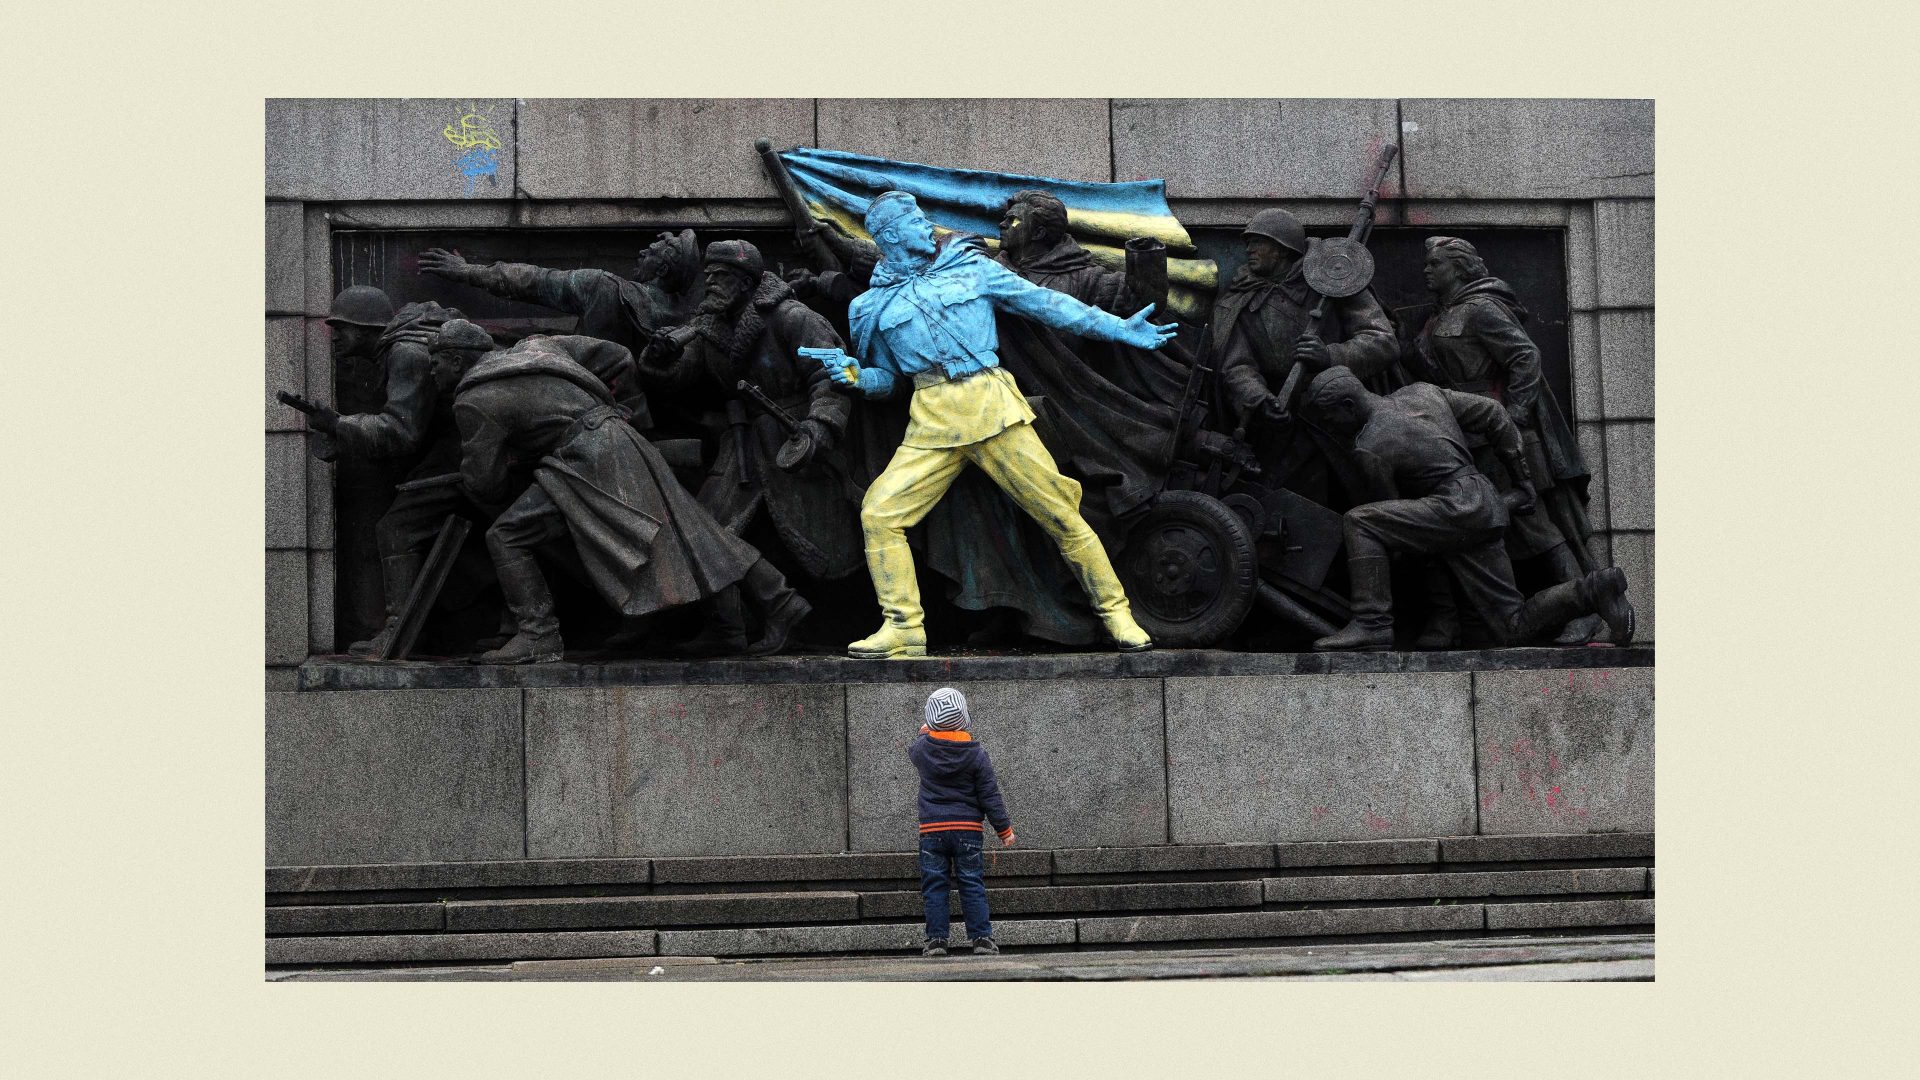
<point x="410" y="433"/>
<point x="1476" y="342"/>
<point x="929" y="318"/>
<point x="1260" y="330"/>
<point x="1429" y="499"/>
<point x="749" y="327"/>
<point x="534" y="415"/>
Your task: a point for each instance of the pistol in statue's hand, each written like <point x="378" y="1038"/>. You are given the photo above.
<point x="839" y="365"/>
<point x="1142" y="334"/>
<point x="319" y="417"/>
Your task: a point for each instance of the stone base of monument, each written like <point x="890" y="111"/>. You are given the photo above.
<point x="767" y="807"/>
<point x="1210" y="895"/>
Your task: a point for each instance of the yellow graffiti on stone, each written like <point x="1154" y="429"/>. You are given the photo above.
<point x="472" y="131"/>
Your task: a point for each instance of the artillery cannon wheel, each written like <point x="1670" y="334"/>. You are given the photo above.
<point x="1190" y="570"/>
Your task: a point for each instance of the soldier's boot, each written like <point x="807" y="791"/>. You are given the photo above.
<point x="1372" y="603"/>
<point x="890" y="561"/>
<point x="780" y="607"/>
<point x="1442" y="629"/>
<point x="1564" y="567"/>
<point x="538" y="640"/>
<point x="1603" y="592"/>
<point x="1094" y="570"/>
<point x="725" y="631"/>
<point x="397" y="574"/>
<point x="504" y="634"/>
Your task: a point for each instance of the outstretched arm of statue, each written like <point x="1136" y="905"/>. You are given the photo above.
<point x="1011" y="292"/>
<point x="872" y="381"/>
<point x="567" y="290"/>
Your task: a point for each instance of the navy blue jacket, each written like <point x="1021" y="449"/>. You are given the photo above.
<point x="957" y="785"/>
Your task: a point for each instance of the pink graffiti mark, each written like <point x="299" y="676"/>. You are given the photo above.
<point x="1321" y="811"/>
<point x="1553" y="797"/>
<point x="1553" y="763"/>
<point x="1487" y="800"/>
<point x="1376" y="822"/>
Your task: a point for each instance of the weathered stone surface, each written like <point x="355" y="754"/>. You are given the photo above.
<point x="1583" y="289"/>
<point x="286" y="490"/>
<point x="773" y="941"/>
<point x="652" y="911"/>
<point x="1490" y="849"/>
<point x="1588" y="971"/>
<point x="1533" y="148"/>
<point x="1021" y="862"/>
<point x="421" y="776"/>
<point x="460" y="875"/>
<point x="1626" y="364"/>
<point x="694" y="148"/>
<point x="286" y="254"/>
<point x="1328" y="757"/>
<point x="322" y="526"/>
<point x="1273" y="924"/>
<point x="409" y="948"/>
<point x="711" y="770"/>
<point x="1633" y="553"/>
<point x="1583" y="359"/>
<point x="382" y="148"/>
<point x="1575" y="913"/>
<point x="1565" y="751"/>
<point x="355" y="918"/>
<point x="1630" y="474"/>
<point x="320" y="596"/>
<point x="319" y="263"/>
<point x="336" y="674"/>
<point x="1593" y="447"/>
<point x="1429" y="886"/>
<point x="1062" y="787"/>
<point x="1065" y="138"/>
<point x="282" y="679"/>
<point x="1254" y="148"/>
<point x="1077" y="898"/>
<point x="286" y="370"/>
<point x="286" y="608"/>
<point x="1179" y="857"/>
<point x="1357" y="853"/>
<point x="1481" y="213"/>
<point x="1623" y="252"/>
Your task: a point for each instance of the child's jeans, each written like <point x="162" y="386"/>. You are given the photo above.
<point x="944" y="858"/>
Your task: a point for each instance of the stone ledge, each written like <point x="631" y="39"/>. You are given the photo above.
<point x="1169" y="858"/>
<point x="628" y="911"/>
<point x="1574" y="913"/>
<point x="1064" y="899"/>
<point x="1273" y="924"/>
<point x="516" y="873"/>
<point x="340" y="673"/>
<point x="1357" y="853"/>
<point x="355" y="918"/>
<point x="895" y="937"/>
<point x="1486" y="849"/>
<point x="406" y="948"/>
<point x="1429" y="886"/>
<point x="849" y="867"/>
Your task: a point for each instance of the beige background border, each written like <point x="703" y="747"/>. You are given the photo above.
<point x="133" y="794"/>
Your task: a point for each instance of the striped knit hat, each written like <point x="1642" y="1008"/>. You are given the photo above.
<point x="947" y="710"/>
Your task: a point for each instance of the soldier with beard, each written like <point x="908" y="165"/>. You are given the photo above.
<point x="596" y="484"/>
<point x="749" y="327"/>
<point x="1476" y="342"/>
<point x="1259" y="330"/>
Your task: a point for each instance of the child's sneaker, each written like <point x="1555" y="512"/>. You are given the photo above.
<point x="985" y="947"/>
<point x="934" y="947"/>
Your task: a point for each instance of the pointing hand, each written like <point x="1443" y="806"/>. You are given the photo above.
<point x="1142" y="334"/>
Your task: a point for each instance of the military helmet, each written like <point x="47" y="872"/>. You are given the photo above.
<point x="739" y="255"/>
<point x="361" y="305"/>
<point x="1280" y="227"/>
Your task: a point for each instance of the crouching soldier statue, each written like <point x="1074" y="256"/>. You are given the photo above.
<point x="748" y="329"/>
<point x="929" y="318"/>
<point x="642" y="541"/>
<point x="1412" y="447"/>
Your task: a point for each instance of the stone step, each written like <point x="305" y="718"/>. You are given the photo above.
<point x="1078" y="898"/>
<point x="652" y="911"/>
<point x="1065" y="866"/>
<point x="356" y="918"/>
<point x="1430" y="886"/>
<point x="1570" y="913"/>
<point x="871" y="937"/>
<point x="415" y="948"/>
<point x="1255" y="925"/>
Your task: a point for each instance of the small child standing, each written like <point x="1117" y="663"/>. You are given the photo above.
<point x="957" y="789"/>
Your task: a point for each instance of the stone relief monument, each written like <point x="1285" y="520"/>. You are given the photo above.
<point x="1035" y="392"/>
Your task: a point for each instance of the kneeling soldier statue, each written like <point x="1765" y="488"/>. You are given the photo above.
<point x="644" y="543"/>
<point x="1412" y="447"/>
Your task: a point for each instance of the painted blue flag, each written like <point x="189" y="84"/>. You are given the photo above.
<point x="838" y="186"/>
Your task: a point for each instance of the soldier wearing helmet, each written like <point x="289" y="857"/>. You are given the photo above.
<point x="765" y="480"/>
<point x="1260" y="330"/>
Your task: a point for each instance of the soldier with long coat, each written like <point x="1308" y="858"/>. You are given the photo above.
<point x="1476" y="342"/>
<point x="644" y="543"/>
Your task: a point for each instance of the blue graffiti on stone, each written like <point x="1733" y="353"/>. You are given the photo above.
<point x="474" y="134"/>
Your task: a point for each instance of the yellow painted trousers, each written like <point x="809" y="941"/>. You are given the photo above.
<point x="1019" y="463"/>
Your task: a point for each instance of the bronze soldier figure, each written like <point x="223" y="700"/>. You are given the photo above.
<point x="412" y="429"/>
<point x="644" y="543"/>
<point x="748" y="328"/>
<point x="1260" y="330"/>
<point x="1429" y="499"/>
<point x="1476" y="342"/>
